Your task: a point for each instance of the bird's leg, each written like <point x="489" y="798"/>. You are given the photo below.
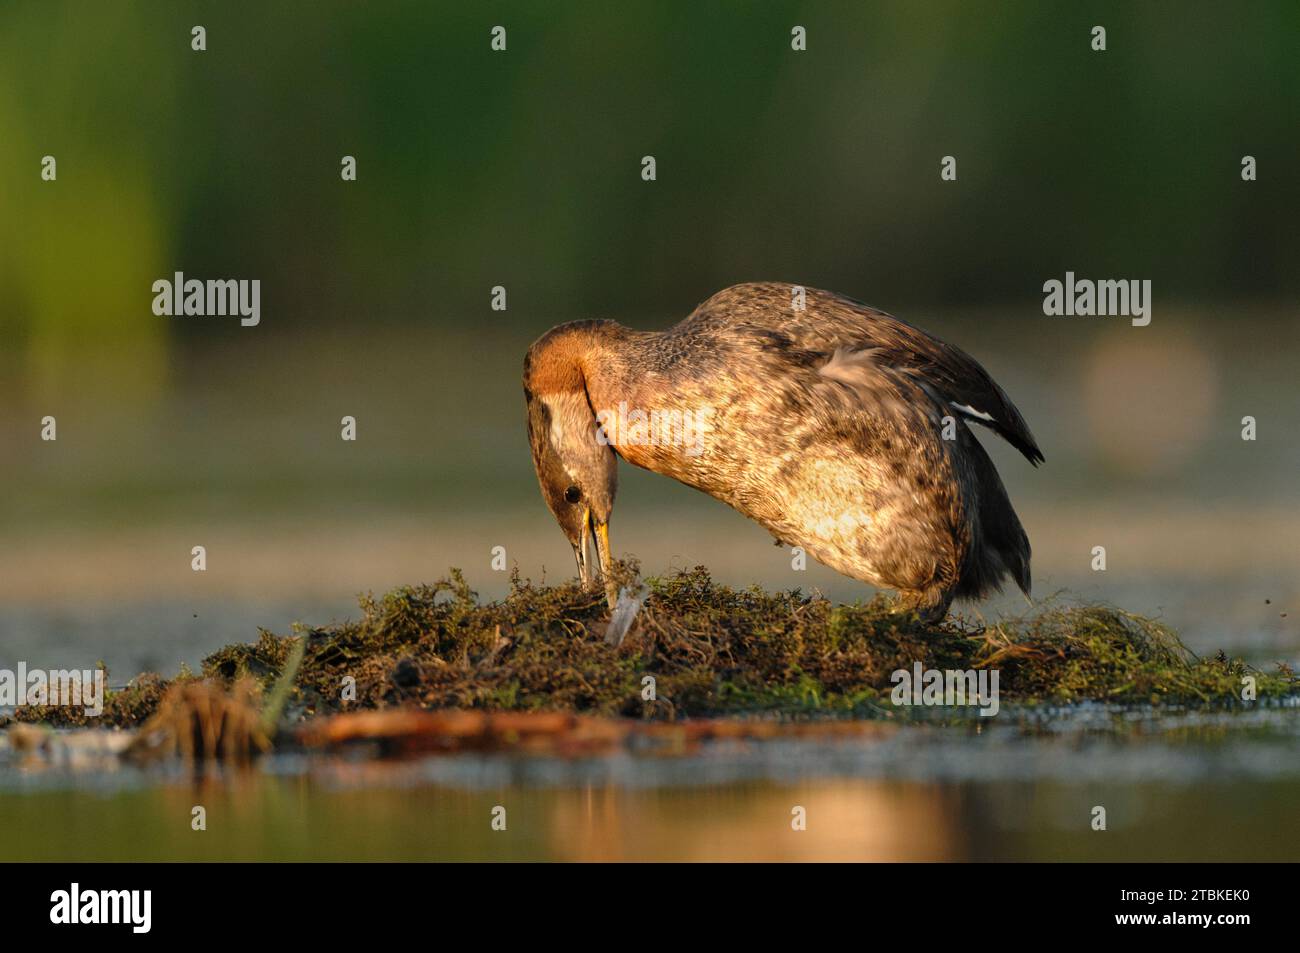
<point x="929" y="605"/>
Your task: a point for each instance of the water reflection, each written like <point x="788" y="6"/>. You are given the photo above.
<point x="1179" y="785"/>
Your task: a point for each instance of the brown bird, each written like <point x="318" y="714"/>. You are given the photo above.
<point x="838" y="428"/>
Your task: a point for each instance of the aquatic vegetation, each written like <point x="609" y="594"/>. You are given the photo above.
<point x="695" y="649"/>
<point x="123" y="708"/>
<point x="202" y="721"/>
<point x="714" y="650"/>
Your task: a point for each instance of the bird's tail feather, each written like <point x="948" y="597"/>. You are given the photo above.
<point x="1000" y="546"/>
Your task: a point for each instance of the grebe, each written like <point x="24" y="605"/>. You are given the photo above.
<point x="837" y="427"/>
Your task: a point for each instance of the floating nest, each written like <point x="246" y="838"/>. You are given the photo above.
<point x="695" y="649"/>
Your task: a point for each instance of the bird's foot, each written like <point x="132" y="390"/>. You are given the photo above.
<point x="929" y="607"/>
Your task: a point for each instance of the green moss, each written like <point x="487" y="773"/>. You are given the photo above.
<point x="124" y="708"/>
<point x="715" y="650"/>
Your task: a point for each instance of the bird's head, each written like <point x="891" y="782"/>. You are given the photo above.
<point x="576" y="467"/>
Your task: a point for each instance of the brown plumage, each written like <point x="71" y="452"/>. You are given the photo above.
<point x="837" y="427"/>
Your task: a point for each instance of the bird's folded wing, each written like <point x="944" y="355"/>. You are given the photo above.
<point x="954" y="374"/>
<point x="761" y="315"/>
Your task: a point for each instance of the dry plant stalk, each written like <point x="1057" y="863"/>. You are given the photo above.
<point x="200" y="721"/>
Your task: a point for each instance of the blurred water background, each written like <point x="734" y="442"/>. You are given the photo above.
<point x="522" y="169"/>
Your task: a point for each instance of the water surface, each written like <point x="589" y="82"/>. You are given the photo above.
<point x="1175" y="785"/>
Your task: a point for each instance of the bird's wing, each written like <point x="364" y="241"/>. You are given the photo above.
<point x="829" y="321"/>
<point x="956" y="375"/>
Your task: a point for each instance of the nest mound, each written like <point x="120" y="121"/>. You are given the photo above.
<point x="696" y="649"/>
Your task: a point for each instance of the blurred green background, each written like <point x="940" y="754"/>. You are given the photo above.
<point x="522" y="169"/>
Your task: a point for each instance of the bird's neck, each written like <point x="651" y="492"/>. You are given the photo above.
<point x="599" y="362"/>
<point x="588" y="357"/>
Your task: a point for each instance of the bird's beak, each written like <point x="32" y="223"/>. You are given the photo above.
<point x="582" y="551"/>
<point x="587" y="573"/>
<point x="602" y="553"/>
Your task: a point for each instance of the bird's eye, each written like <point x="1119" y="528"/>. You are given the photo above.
<point x="573" y="494"/>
